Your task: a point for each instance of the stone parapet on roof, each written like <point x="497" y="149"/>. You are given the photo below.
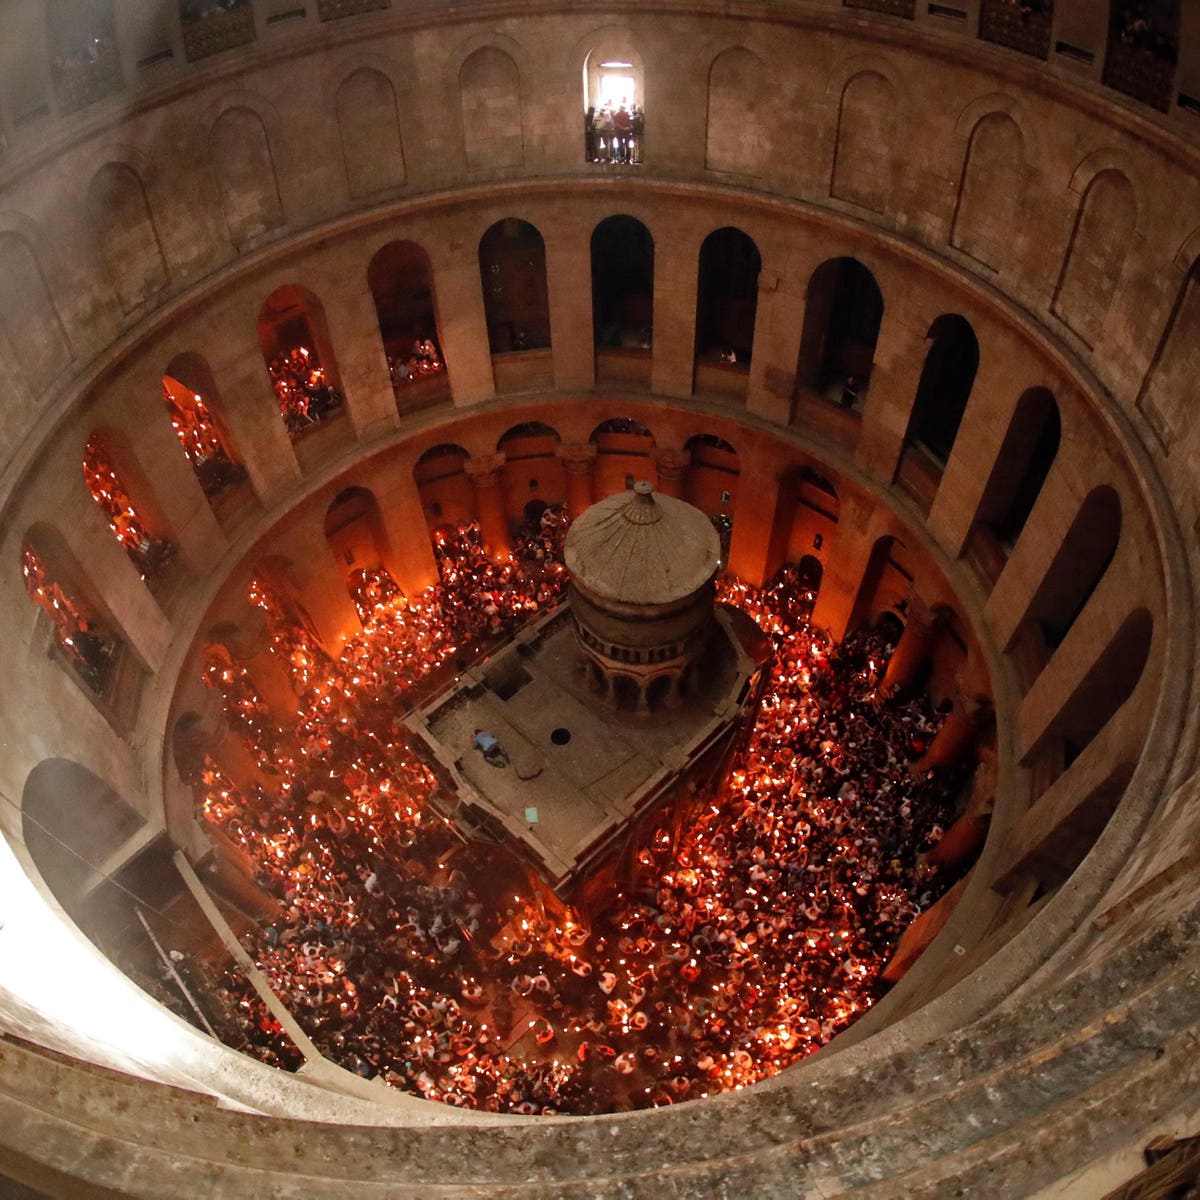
<point x="640" y="548"/>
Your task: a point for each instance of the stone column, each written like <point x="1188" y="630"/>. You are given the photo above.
<point x="250" y="409"/>
<point x="485" y="473"/>
<point x="356" y="347"/>
<point x="958" y="733"/>
<point x="899" y="359"/>
<point x="676" y="274"/>
<point x="754" y="546"/>
<point x="568" y="261"/>
<point x="672" y="467"/>
<point x="462" y="322"/>
<point x="913" y="648"/>
<point x="579" y="460"/>
<point x="779" y="321"/>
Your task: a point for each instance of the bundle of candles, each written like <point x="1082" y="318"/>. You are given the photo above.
<point x="305" y="395"/>
<point x="197" y="431"/>
<point x="742" y="940"/>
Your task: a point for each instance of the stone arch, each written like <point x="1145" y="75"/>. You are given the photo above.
<point x="118" y="484"/>
<point x="369" y="124"/>
<point x="197" y="415"/>
<point x="1110" y="681"/>
<point x="489" y="87"/>
<point x="354" y="531"/>
<point x="240" y="152"/>
<point x="1082" y="558"/>
<point x="805" y="519"/>
<point x="624" y="454"/>
<point x="991" y="190"/>
<point x="947" y="378"/>
<point x="727" y="296"/>
<point x="533" y="473"/>
<point x="516" y="296"/>
<point x="1105" y="224"/>
<point x="866" y="130"/>
<point x="887" y="583"/>
<point x="737" y="139"/>
<point x="843" y="313"/>
<point x="1022" y="464"/>
<point x="714" y="466"/>
<point x="29" y="319"/>
<point x="447" y="497"/>
<point x="298" y="352"/>
<point x="400" y="276"/>
<point x="622" y="255"/>
<point x="126" y="234"/>
<point x="71" y="821"/>
<point x="57" y="584"/>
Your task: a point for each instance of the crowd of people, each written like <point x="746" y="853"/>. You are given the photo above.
<point x="86" y="647"/>
<point x="423" y="360"/>
<point x="306" y="397"/>
<point x="198" y="434"/>
<point x="1150" y="25"/>
<point x="748" y="929"/>
<point x="614" y="133"/>
<point x="148" y="552"/>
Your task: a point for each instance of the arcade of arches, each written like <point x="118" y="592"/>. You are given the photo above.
<point x="303" y="402"/>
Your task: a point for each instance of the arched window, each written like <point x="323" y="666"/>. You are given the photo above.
<point x="614" y="120"/>
<point x="622" y="286"/>
<point x="516" y="304"/>
<point x="71" y="821"/>
<point x="187" y="389"/>
<point x="489" y="86"/>
<point x="945" y="386"/>
<point x="1095" y="259"/>
<point x="843" y="311"/>
<point x="624" y="454"/>
<point x="369" y="123"/>
<point x="126" y="234"/>
<point x="401" y="281"/>
<point x="78" y="633"/>
<point x="84" y="63"/>
<point x="131" y="526"/>
<point x="991" y="192"/>
<point x="727" y="299"/>
<point x="29" y="321"/>
<point x="866" y="134"/>
<point x="1143" y="49"/>
<point x="296" y="347"/>
<point x="739" y="98"/>
<point x="1080" y="564"/>
<point x="244" y="164"/>
<point x="1022" y="464"/>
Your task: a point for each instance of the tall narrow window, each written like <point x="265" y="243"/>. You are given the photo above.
<point x="201" y="437"/>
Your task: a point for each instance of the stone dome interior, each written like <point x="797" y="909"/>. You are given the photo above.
<point x="901" y="294"/>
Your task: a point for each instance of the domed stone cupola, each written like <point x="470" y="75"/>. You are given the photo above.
<point x="642" y="569"/>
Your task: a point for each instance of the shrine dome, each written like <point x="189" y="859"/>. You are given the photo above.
<point x="636" y="547"/>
